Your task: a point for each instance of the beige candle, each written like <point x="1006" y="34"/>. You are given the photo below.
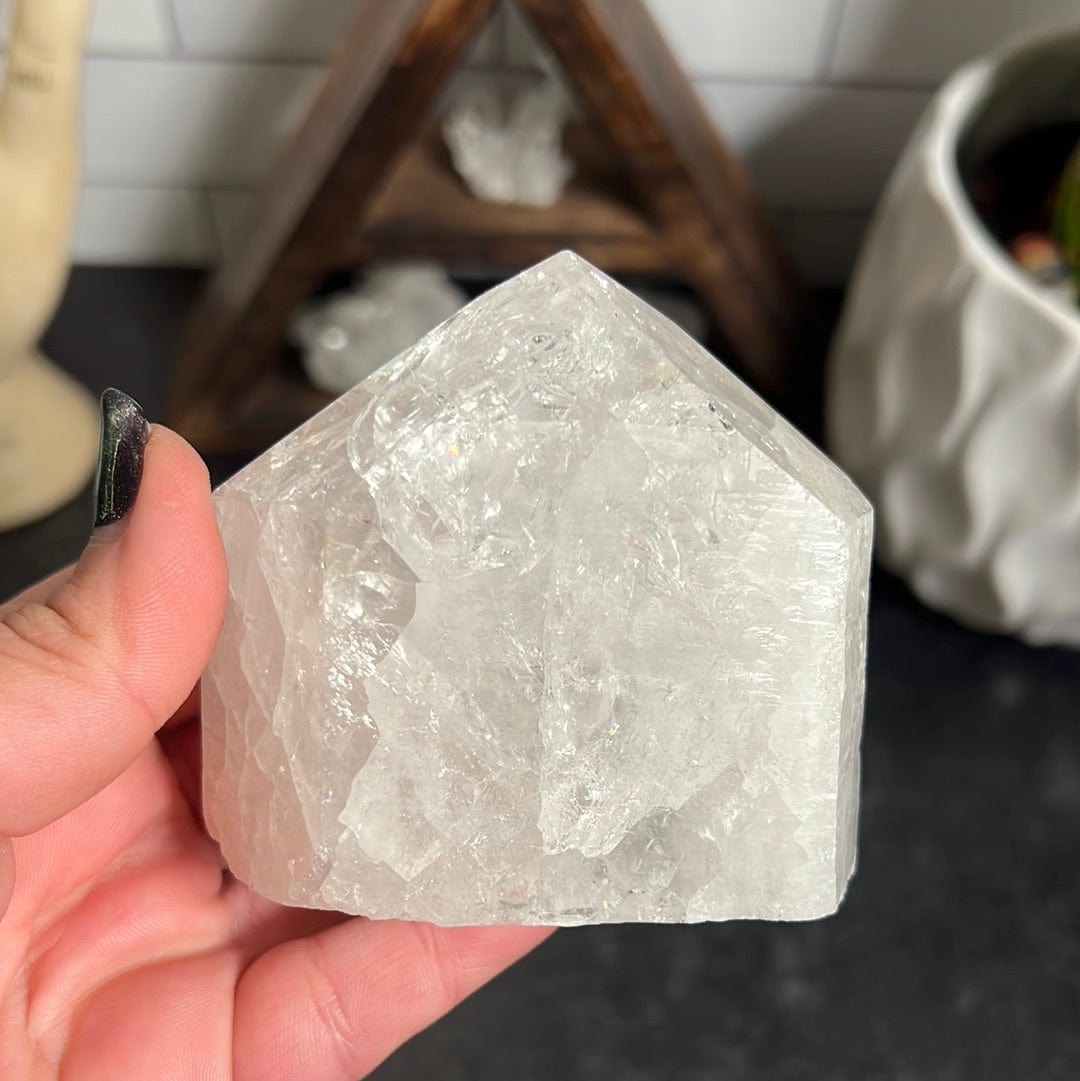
<point x="48" y="423"/>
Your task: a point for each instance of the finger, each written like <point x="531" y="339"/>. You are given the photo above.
<point x="7" y="874"/>
<point x="331" y="1007"/>
<point x="90" y="672"/>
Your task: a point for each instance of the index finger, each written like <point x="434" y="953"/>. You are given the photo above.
<point x="332" y="1006"/>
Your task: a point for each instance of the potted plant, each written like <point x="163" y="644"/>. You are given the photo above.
<point x="954" y="380"/>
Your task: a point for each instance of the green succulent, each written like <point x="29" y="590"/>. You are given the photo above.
<point x="1066" y="215"/>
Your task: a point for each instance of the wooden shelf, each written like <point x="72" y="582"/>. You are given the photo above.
<point x="278" y="401"/>
<point x="367" y="176"/>
<point x="425" y="210"/>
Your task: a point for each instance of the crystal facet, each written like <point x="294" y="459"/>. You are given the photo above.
<point x="549" y="620"/>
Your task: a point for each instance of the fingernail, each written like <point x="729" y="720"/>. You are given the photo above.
<point x="124" y="432"/>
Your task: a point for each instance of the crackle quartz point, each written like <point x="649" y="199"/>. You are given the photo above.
<point x="550" y="620"/>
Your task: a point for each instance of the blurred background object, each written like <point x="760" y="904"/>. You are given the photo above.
<point x="368" y="177"/>
<point x="956" y="954"/>
<point x="344" y="337"/>
<point x="506" y="141"/>
<point x="816" y="96"/>
<point x="1065" y="217"/>
<point x="955" y="378"/>
<point x="48" y="422"/>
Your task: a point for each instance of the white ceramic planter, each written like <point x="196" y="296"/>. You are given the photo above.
<point x="954" y="382"/>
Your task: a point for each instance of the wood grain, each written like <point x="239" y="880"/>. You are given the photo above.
<point x="377" y="98"/>
<point x="698" y="193"/>
<point x="425" y="210"/>
<point x="367" y="178"/>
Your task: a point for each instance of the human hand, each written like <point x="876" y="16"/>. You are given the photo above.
<point x="126" y="950"/>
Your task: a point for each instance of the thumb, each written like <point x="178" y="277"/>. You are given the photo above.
<point x="94" y="666"/>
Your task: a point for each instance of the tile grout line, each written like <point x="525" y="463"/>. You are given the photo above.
<point x="830" y="39"/>
<point x="172" y="27"/>
<point x="201" y="188"/>
<point x="313" y="64"/>
<point x="191" y="59"/>
<point x="779" y="82"/>
<point x="186" y="184"/>
<point x="890" y="87"/>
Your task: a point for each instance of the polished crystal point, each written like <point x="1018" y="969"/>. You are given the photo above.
<point x="550" y="620"/>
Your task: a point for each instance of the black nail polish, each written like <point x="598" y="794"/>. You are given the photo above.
<point x="124" y="432"/>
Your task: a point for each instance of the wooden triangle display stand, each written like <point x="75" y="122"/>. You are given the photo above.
<point x="367" y="177"/>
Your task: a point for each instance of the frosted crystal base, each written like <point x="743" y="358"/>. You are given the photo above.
<point x="550" y="620"/>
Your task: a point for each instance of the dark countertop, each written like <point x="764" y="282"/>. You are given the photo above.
<point x="957" y="953"/>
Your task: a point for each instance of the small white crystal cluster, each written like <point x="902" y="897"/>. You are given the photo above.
<point x="550" y="620"/>
<point x="346" y="336"/>
<point x="507" y="145"/>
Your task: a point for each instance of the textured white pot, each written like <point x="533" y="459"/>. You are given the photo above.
<point x="954" y="383"/>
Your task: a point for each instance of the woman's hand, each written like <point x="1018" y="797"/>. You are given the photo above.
<point x="126" y="950"/>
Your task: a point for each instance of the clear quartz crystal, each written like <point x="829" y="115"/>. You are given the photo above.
<point x="549" y="620"/>
<point x="507" y="145"/>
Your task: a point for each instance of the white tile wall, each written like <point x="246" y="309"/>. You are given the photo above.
<point x="167" y="122"/>
<point x="736" y="39"/>
<point x="763" y="39"/>
<point x="815" y="148"/>
<point x="131" y="26"/>
<point x="144" y="225"/>
<point x="258" y="29"/>
<point x="921" y="41"/>
<point x="188" y="101"/>
<point x="278" y="29"/>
